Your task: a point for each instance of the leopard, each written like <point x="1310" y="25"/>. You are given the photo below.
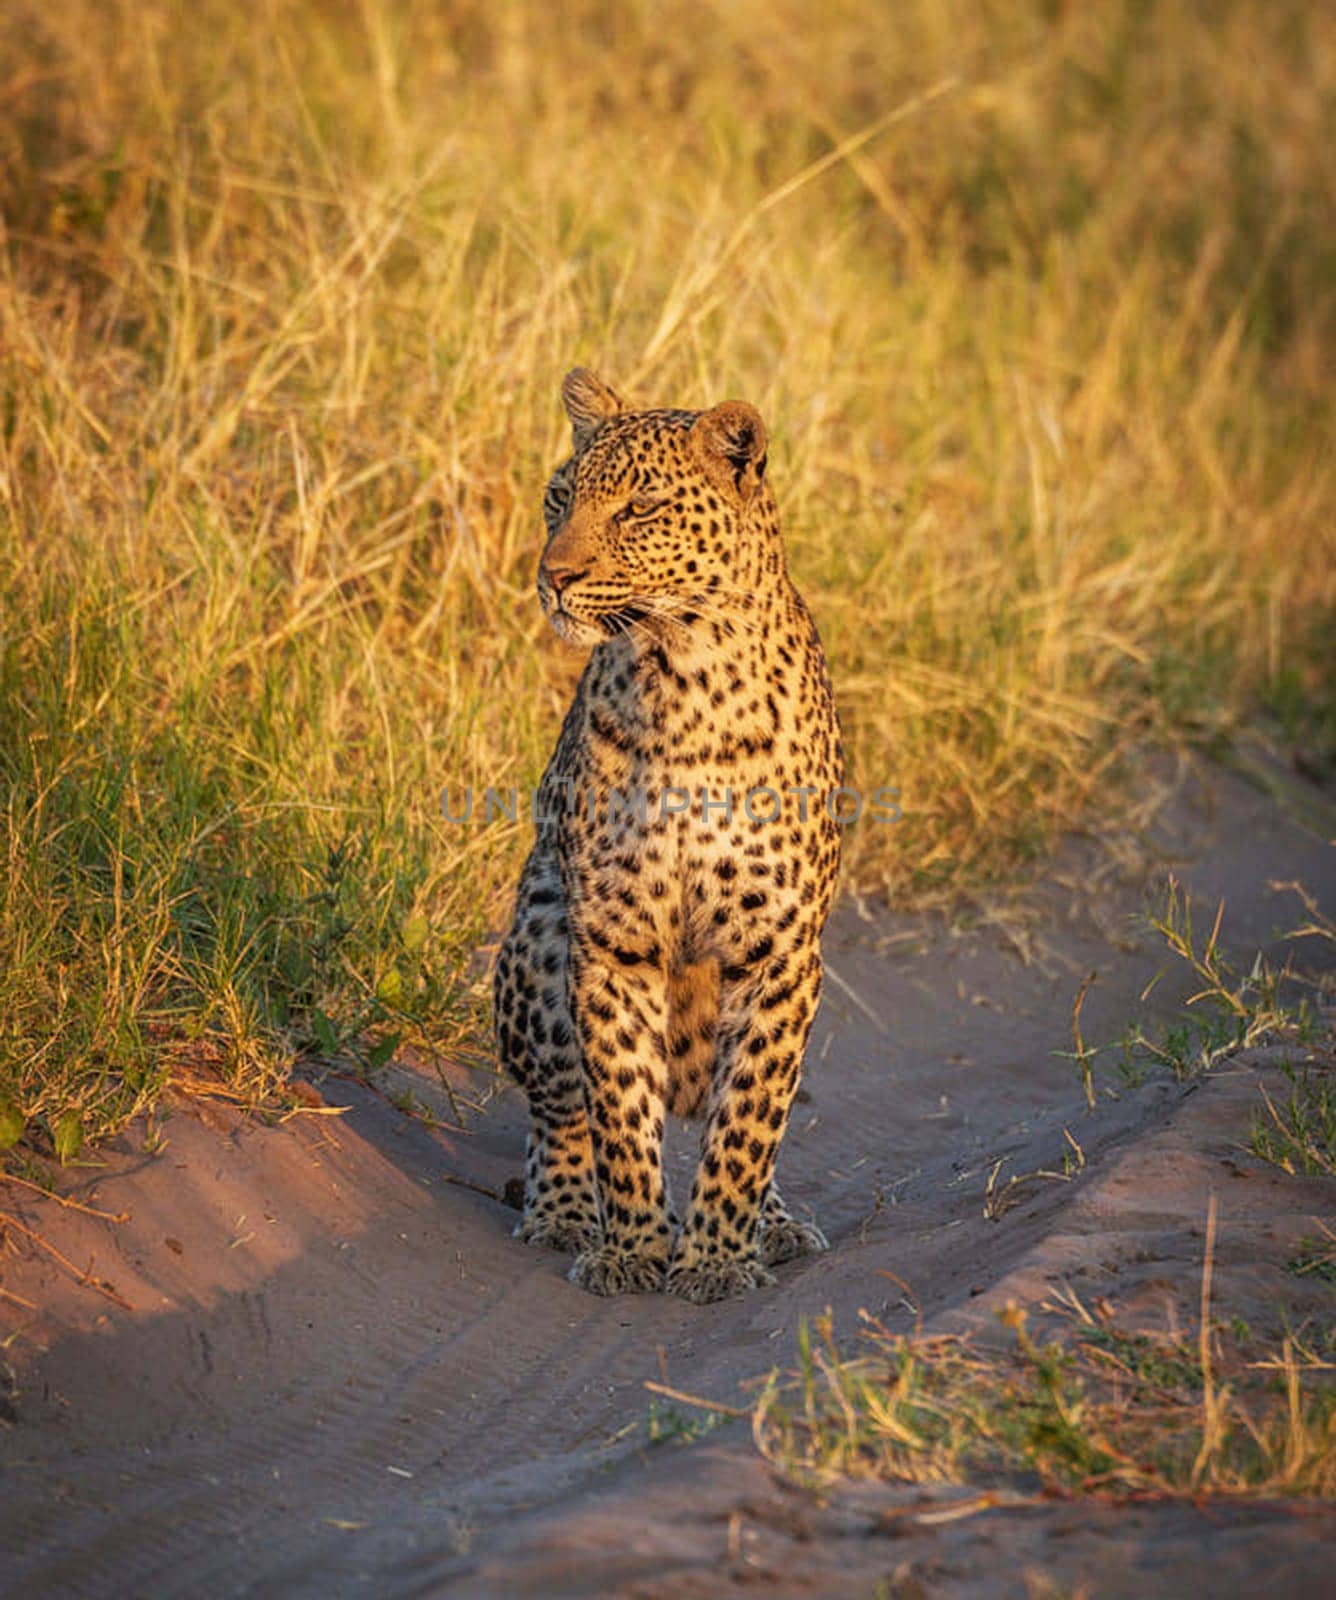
<point x="664" y="956"/>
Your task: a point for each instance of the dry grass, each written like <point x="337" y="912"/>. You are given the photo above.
<point x="1038" y="301"/>
<point x="1099" y="1410"/>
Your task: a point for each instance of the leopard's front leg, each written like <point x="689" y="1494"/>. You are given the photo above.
<point x="537" y="1046"/>
<point x="720" y="1250"/>
<point x="619" y="1002"/>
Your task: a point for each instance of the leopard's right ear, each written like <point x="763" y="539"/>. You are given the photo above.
<point x="730" y="442"/>
<point x="589" y="403"/>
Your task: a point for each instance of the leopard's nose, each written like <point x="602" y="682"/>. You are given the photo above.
<point x="562" y="577"/>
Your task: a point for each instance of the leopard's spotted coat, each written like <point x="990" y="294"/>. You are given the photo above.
<point x="670" y="960"/>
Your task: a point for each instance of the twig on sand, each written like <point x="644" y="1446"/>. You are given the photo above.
<point x="1082" y="1054"/>
<point x="64" y="1200"/>
<point x="851" y="993"/>
<point x="989" y="1500"/>
<point x="695" y="1400"/>
<point x="478" y="1188"/>
<point x="429" y="1120"/>
<point x="83" y="1278"/>
<point x="1211" y="1399"/>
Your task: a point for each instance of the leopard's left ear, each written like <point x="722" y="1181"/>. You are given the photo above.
<point x="730" y="441"/>
<point x="589" y="403"/>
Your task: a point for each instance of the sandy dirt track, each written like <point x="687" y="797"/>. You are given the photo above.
<point x="340" y="1375"/>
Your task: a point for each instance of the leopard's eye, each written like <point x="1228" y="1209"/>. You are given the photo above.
<point x="558" y="497"/>
<point x="644" y="504"/>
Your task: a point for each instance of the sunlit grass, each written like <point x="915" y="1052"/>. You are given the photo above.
<point x="1036" y="300"/>
<point x="1101" y="1410"/>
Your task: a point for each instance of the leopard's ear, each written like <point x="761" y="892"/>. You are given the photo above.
<point x="730" y="441"/>
<point x="589" y="403"/>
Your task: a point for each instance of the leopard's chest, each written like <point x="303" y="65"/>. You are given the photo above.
<point x="758" y="742"/>
<point x="689" y="763"/>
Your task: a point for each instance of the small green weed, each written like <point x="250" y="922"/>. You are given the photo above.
<point x="668" y="1425"/>
<point x="1298" y="1134"/>
<point x="1242" y="1009"/>
<point x="1158" y="1363"/>
<point x="1238" y="1009"/>
<point x="1315" y="1258"/>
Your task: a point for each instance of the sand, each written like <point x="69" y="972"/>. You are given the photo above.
<point x="319" y="1364"/>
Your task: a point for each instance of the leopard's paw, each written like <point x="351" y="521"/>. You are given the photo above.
<point x="785" y="1238"/>
<point x="610" y="1269"/>
<point x="573" y="1234"/>
<point x="716" y="1280"/>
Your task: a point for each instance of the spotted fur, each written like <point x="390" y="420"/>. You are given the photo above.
<point x="670" y="960"/>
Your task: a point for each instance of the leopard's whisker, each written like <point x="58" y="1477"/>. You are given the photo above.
<point x="705" y="607"/>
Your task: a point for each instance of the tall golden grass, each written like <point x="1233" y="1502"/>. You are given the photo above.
<point x="1037" y="299"/>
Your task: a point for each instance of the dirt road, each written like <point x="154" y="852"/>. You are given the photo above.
<point x="322" y="1366"/>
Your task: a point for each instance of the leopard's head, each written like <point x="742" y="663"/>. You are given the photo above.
<point x="645" y="518"/>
